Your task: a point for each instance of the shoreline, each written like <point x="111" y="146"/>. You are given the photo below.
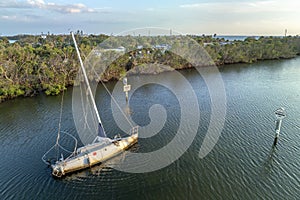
<point x="35" y="65"/>
<point x="144" y="73"/>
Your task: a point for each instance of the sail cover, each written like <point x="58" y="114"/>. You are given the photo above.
<point x="101" y="132"/>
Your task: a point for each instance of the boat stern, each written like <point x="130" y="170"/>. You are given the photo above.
<point x="57" y="170"/>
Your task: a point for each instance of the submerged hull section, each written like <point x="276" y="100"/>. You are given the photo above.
<point x="93" y="154"/>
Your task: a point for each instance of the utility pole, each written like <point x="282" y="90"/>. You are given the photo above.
<point x="285" y="32"/>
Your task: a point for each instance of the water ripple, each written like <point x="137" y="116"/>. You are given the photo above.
<point x="242" y="165"/>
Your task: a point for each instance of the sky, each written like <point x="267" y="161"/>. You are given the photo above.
<point x="223" y="17"/>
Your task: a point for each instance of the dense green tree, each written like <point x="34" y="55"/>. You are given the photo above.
<point x="49" y="64"/>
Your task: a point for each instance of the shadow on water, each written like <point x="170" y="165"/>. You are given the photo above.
<point x="270" y="160"/>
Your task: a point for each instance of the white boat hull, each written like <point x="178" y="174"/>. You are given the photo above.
<point x="92" y="154"/>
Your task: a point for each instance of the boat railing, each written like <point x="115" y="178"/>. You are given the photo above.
<point x="134" y="130"/>
<point x="57" y="146"/>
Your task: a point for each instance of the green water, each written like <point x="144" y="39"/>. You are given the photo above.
<point x="242" y="165"/>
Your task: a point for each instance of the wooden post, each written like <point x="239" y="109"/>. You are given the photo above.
<point x="126" y="94"/>
<point x="280" y="114"/>
<point x="126" y="88"/>
<point x="277" y="131"/>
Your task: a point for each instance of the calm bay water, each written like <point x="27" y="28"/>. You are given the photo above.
<point x="241" y="165"/>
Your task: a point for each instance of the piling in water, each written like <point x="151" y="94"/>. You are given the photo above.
<point x="280" y="114"/>
<point x="127" y="88"/>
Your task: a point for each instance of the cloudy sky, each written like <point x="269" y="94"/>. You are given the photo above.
<point x="238" y="17"/>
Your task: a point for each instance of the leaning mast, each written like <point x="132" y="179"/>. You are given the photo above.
<point x="88" y="86"/>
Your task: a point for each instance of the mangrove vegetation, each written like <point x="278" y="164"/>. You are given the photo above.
<point x="48" y="63"/>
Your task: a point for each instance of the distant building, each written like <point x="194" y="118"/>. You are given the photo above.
<point x="140" y="47"/>
<point x="162" y="47"/>
<point x="208" y="44"/>
<point x="119" y="49"/>
<point x="98" y="52"/>
<point x="224" y="43"/>
<point x="212" y="44"/>
<point x="43" y="36"/>
<point x="12" y="41"/>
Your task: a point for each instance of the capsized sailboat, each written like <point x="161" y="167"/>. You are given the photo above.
<point x="100" y="150"/>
